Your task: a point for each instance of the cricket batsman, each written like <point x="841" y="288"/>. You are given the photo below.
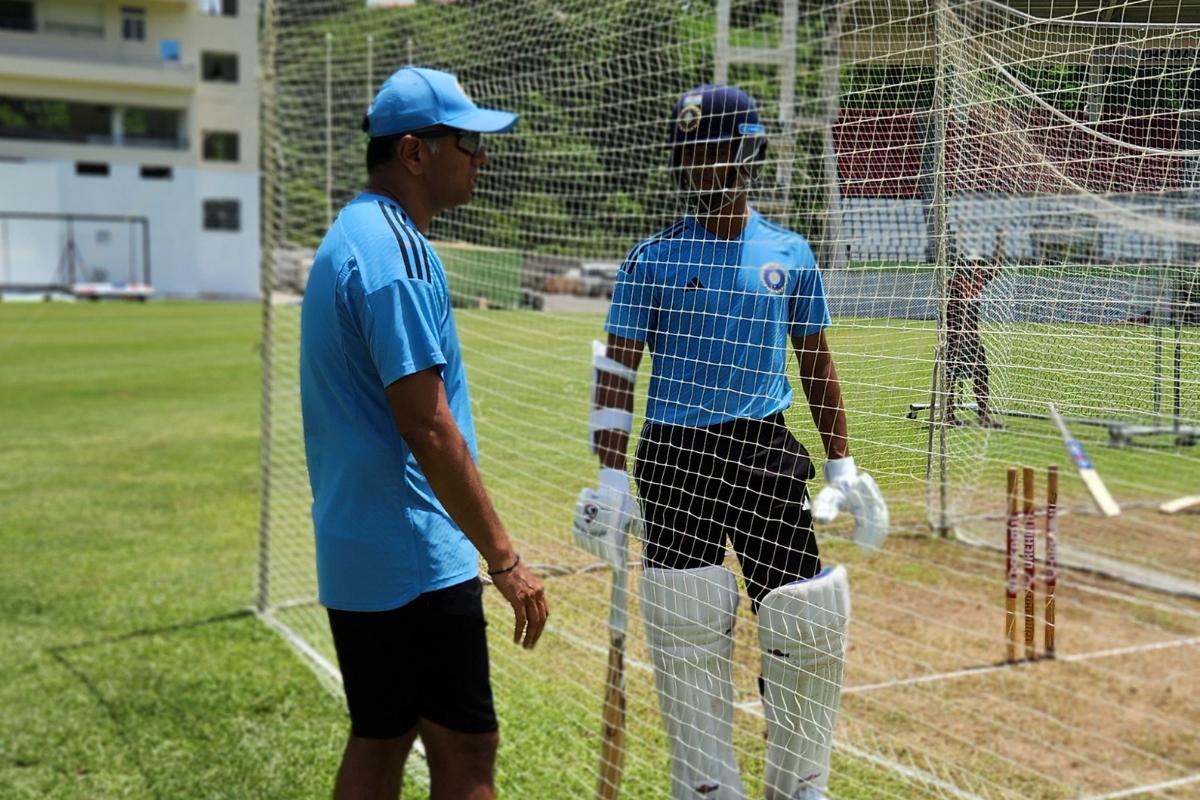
<point x="719" y="298"/>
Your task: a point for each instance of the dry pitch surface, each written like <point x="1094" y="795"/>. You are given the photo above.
<point x="928" y="696"/>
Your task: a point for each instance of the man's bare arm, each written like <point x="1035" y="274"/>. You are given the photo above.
<point x="422" y="416"/>
<point x="819" y="378"/>
<point x="616" y="392"/>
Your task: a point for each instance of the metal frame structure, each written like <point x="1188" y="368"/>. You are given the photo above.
<point x="66" y="276"/>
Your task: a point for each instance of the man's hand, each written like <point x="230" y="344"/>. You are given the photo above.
<point x="605" y="516"/>
<point x="524" y="592"/>
<point x="846" y="487"/>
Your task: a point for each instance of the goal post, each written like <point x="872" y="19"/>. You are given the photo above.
<point x="1020" y="180"/>
<point x="41" y="252"/>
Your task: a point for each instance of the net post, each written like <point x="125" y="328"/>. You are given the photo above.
<point x="370" y="68"/>
<point x="329" y="127"/>
<point x="787" y="102"/>
<point x="940" y="224"/>
<point x="835" y="256"/>
<point x="266" y="286"/>
<point x="721" y="56"/>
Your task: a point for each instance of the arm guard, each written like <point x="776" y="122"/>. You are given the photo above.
<point x="603" y="418"/>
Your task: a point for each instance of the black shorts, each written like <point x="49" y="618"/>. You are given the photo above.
<point x="965" y="354"/>
<point x="427" y="659"/>
<point x="745" y="481"/>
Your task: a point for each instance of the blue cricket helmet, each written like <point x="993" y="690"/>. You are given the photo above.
<point x="713" y="114"/>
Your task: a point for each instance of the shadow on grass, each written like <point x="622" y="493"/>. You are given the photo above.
<point x="215" y="707"/>
<point x="60" y="655"/>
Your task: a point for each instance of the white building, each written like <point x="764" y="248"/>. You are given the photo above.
<point x="145" y="109"/>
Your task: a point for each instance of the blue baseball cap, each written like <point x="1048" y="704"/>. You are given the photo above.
<point x="414" y="98"/>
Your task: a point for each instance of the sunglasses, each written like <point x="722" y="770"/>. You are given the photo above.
<point x="470" y="142"/>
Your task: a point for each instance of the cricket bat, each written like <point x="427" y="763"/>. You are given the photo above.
<point x="1180" y="504"/>
<point x="612" y="739"/>
<point x="1091" y="478"/>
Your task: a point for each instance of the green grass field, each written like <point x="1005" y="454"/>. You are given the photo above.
<point x="129" y="519"/>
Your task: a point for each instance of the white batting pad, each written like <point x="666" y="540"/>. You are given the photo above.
<point x="802" y="631"/>
<point x="689" y="618"/>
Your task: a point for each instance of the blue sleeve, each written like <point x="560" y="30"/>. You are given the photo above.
<point x="808" y="309"/>
<point x="633" y="313"/>
<point x="402" y="328"/>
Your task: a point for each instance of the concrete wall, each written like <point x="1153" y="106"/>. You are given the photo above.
<point x="185" y="259"/>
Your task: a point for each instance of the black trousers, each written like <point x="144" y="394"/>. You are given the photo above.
<point x="966" y="359"/>
<point x="745" y="481"/>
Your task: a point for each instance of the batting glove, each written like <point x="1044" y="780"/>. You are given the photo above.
<point x="605" y="517"/>
<point x="846" y="487"/>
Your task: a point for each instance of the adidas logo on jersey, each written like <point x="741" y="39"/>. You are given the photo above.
<point x="693" y="285"/>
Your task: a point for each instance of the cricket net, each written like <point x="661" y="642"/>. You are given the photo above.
<point x="1053" y="148"/>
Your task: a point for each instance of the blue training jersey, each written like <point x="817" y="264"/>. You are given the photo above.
<point x="717" y="316"/>
<point x="377" y="308"/>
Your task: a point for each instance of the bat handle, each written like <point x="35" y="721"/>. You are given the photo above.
<point x="1058" y="420"/>
<point x="618" y="614"/>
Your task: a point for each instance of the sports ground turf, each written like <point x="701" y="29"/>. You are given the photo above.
<point x="128" y="512"/>
<point x="129" y="518"/>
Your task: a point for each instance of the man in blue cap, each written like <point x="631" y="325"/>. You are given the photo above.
<point x="400" y="513"/>
<point x="720" y="298"/>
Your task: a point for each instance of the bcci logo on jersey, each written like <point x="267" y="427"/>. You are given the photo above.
<point x="774" y="277"/>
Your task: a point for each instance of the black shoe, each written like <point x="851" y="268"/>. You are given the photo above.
<point x="954" y="422"/>
<point x="988" y="421"/>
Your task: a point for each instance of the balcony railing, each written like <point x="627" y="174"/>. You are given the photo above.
<point x="75" y="48"/>
<point x="83" y="137"/>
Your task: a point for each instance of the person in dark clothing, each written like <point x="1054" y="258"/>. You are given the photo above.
<point x="966" y="357"/>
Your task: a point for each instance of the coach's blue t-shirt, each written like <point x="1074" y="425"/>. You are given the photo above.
<point x="377" y="308"/>
<point x="717" y="315"/>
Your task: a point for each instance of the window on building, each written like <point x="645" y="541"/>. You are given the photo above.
<point x="80" y="20"/>
<point x="133" y="23"/>
<point x="222" y="215"/>
<point x="96" y="168"/>
<point x="219" y="8"/>
<point x="221" y="67"/>
<point x="156" y="173"/>
<point x="16" y="15"/>
<point x="80" y="30"/>
<point x="152" y="127"/>
<point x="220" y="146"/>
<point x="55" y="120"/>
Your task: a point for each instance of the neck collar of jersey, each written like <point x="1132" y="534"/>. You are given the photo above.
<point x="697" y="231"/>
<point x="372" y="197"/>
